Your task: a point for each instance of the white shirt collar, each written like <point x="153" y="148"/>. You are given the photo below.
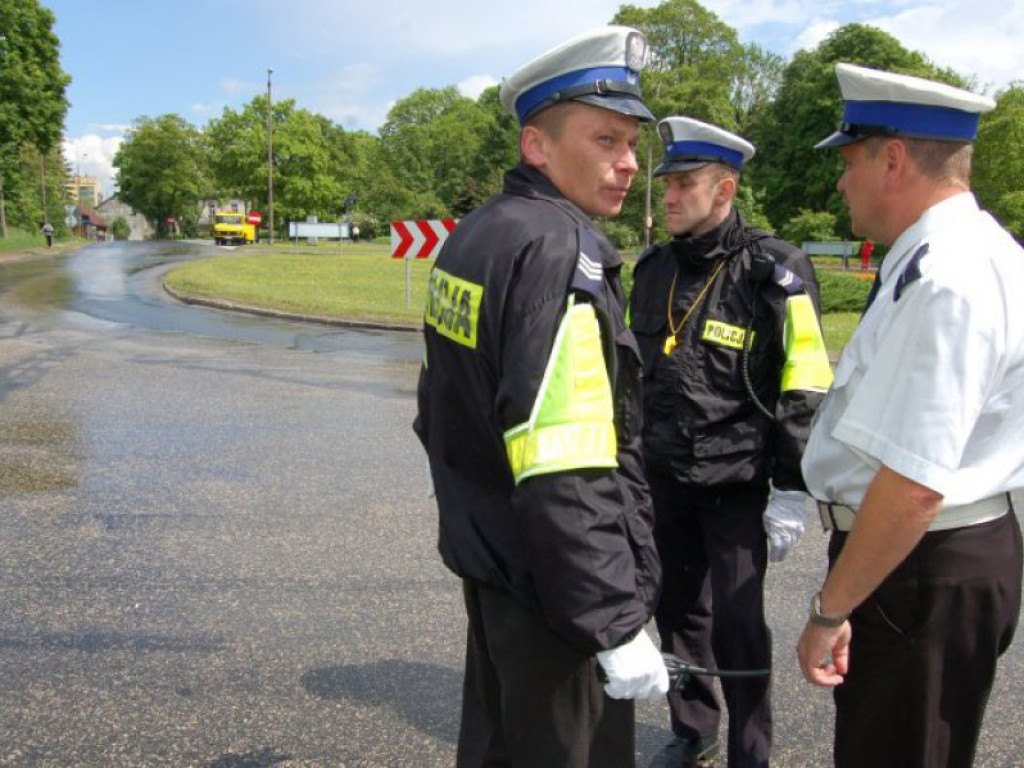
<point x="947" y="213"/>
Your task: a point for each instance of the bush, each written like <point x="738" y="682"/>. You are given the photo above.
<point x="120" y="228"/>
<point x="814" y="226"/>
<point x="842" y="291"/>
<point x="622" y="236"/>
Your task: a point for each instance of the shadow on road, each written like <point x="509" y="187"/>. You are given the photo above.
<point x="427" y="696"/>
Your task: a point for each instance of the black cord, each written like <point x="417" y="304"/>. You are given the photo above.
<point x="681" y="672"/>
<point x="761" y="270"/>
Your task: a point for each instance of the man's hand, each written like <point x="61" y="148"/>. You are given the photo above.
<point x="636" y="670"/>
<point x="783" y="522"/>
<point x="824" y="653"/>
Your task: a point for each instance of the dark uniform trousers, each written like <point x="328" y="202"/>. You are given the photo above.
<point x="531" y="700"/>
<point x="924" y="650"/>
<point x="714" y="556"/>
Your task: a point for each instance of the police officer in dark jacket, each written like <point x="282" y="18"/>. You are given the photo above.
<point x="529" y="408"/>
<point x="727" y="320"/>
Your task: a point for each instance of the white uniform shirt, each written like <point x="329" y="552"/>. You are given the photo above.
<point x="932" y="384"/>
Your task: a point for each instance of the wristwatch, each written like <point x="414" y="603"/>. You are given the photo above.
<point x="822" y="619"/>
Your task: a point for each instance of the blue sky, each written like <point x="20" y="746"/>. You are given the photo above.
<point x="352" y="60"/>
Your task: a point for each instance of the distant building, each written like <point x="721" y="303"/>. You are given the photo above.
<point x="91" y="223"/>
<point x="112" y="207"/>
<point x="84" y="190"/>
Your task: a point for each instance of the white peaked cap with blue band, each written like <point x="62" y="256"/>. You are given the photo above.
<point x="691" y="144"/>
<point x="600" y="67"/>
<point x="878" y="103"/>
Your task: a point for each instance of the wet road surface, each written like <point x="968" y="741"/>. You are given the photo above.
<point x="216" y="549"/>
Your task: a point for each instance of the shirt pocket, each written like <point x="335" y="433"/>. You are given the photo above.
<point x="628" y="405"/>
<point x="650" y="330"/>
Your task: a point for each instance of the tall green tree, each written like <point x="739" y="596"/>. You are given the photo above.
<point x="428" y="153"/>
<point x="316" y="164"/>
<point x="998" y="172"/>
<point x="696" y="59"/>
<point x="32" y="179"/>
<point x="809" y="106"/>
<point x="160" y="169"/>
<point x="698" y="68"/>
<point x="33" y="103"/>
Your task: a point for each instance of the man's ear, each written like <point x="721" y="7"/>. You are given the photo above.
<point x="896" y="156"/>
<point x="726" y="190"/>
<point x="533" y="146"/>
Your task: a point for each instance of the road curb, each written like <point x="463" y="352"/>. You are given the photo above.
<point x="249" y="309"/>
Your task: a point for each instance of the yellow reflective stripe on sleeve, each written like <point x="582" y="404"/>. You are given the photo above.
<point x="806" y="366"/>
<point x="559" y="448"/>
<point x="453" y="307"/>
<point x="571" y="425"/>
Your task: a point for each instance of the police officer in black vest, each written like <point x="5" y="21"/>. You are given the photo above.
<point x="529" y="408"/>
<point x="727" y="320"/>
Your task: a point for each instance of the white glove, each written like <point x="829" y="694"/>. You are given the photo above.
<point x="430" y="481"/>
<point x="635" y="670"/>
<point x="783" y="522"/>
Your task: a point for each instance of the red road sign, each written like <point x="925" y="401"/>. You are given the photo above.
<point x="419" y="239"/>
<point x="254" y="217"/>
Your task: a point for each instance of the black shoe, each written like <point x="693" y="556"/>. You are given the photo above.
<point x="687" y="753"/>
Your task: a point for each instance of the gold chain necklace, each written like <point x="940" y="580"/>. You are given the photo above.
<point x="672" y="339"/>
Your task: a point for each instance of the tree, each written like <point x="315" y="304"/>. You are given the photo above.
<point x="695" y="60"/>
<point x="809" y="106"/>
<point x="120" y="228"/>
<point x="160" y="169"/>
<point x="699" y="69"/>
<point x="33" y="103"/>
<point x="316" y="163"/>
<point x="428" y="155"/>
<point x="999" y="160"/>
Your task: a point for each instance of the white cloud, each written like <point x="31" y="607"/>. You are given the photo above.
<point x="813" y="35"/>
<point x="473" y="86"/>
<point x="972" y="37"/>
<point x="980" y="38"/>
<point x="349" y="96"/>
<point x="93" y="155"/>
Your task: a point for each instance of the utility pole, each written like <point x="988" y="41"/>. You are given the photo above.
<point x="42" y="184"/>
<point x="648" y="217"/>
<point x="270" y="160"/>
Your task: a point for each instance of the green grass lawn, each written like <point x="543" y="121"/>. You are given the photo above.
<point x="838" y="327"/>
<point x="358" y="282"/>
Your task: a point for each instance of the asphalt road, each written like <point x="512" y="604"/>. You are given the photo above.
<point x="216" y="547"/>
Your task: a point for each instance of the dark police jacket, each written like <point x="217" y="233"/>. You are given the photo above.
<point x="530" y="411"/>
<point x="756" y="330"/>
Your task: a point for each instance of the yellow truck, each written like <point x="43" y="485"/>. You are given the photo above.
<point x="232" y="228"/>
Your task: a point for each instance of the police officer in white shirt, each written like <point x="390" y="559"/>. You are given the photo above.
<point x="916" y="447"/>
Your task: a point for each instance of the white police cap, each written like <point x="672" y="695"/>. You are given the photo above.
<point x="886" y="104"/>
<point x="691" y="144"/>
<point x="600" y="67"/>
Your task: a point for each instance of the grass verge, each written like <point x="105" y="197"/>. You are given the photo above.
<point x="361" y="284"/>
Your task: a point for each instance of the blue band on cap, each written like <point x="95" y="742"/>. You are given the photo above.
<point x="529" y="100"/>
<point x="702" y="150"/>
<point x="917" y="119"/>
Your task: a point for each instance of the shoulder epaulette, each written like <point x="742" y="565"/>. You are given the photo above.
<point x="911" y="272"/>
<point x="787" y="280"/>
<point x="589" y="273"/>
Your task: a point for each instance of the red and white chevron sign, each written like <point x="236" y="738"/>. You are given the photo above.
<point x="419" y="239"/>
